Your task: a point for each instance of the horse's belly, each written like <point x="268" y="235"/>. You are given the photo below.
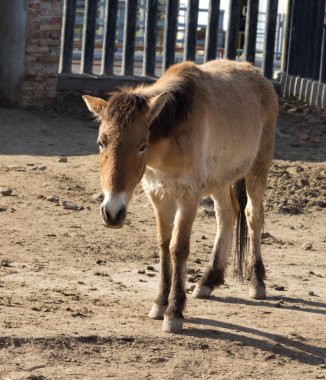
<point x="229" y="163"/>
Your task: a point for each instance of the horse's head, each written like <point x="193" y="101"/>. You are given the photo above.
<point x="123" y="142"/>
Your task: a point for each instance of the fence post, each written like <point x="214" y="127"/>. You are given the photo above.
<point x="150" y="38"/>
<point x="269" y="43"/>
<point x="88" y="42"/>
<point x="128" y="51"/>
<point x="322" y="67"/>
<point x="67" y="36"/>
<point x="191" y="30"/>
<point x="318" y="36"/>
<point x="287" y="36"/>
<point x="212" y="30"/>
<point x="110" y="23"/>
<point x="251" y="31"/>
<point x="170" y="31"/>
<point x="233" y="29"/>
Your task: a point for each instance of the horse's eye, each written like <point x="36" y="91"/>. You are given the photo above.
<point x="142" y="148"/>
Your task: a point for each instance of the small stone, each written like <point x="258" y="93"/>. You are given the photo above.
<point x="150" y="267"/>
<point x="53" y="198"/>
<point x="197" y="261"/>
<point x="292" y="110"/>
<point x="63" y="159"/>
<point x="68" y="205"/>
<point x="320" y="376"/>
<point x="43" y="167"/>
<point x="311" y="293"/>
<point x="5" y="263"/>
<point x="141" y="271"/>
<point x="6" y="191"/>
<point x="307" y="246"/>
<point x="279" y="288"/>
<point x="192" y="279"/>
<point x="270" y="357"/>
<point x="204" y="237"/>
<point x="151" y="274"/>
<point x="100" y="261"/>
<point x="98" y="197"/>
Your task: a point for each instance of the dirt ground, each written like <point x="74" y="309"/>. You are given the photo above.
<point x="74" y="296"/>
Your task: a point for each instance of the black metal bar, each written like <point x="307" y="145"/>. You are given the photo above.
<point x="170" y="32"/>
<point x="292" y="42"/>
<point x="310" y="15"/>
<point x="191" y="30"/>
<point x="88" y="43"/>
<point x="288" y="28"/>
<point x="318" y="36"/>
<point x="300" y="37"/>
<point x="67" y="36"/>
<point x="110" y="23"/>
<point x="322" y="68"/>
<point x="212" y="30"/>
<point x="150" y="38"/>
<point x="269" y="43"/>
<point x="128" y="52"/>
<point x="251" y="31"/>
<point x="233" y="29"/>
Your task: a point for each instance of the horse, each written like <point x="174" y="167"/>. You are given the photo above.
<point x="199" y="130"/>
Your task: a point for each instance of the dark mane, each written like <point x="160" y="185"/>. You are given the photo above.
<point x="179" y="104"/>
<point x="123" y="107"/>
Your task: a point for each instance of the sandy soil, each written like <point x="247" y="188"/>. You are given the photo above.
<point x="74" y="296"/>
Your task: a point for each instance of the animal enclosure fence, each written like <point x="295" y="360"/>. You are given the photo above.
<point x="150" y="40"/>
<point x="166" y="14"/>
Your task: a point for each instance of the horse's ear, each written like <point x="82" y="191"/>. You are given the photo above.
<point x="156" y="104"/>
<point x="95" y="105"/>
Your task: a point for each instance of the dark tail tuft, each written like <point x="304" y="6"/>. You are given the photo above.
<point x="242" y="229"/>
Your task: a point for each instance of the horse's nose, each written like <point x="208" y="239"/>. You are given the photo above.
<point x="113" y="220"/>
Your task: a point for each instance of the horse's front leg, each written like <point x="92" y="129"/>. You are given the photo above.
<point x="179" y="251"/>
<point x="165" y="209"/>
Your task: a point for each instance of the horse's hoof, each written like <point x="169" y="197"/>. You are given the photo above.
<point x="172" y="325"/>
<point x="157" y="311"/>
<point x="202" y="291"/>
<point x="257" y="293"/>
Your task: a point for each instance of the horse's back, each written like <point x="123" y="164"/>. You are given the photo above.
<point x="241" y="112"/>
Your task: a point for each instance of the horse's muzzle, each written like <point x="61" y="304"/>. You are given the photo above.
<point x="116" y="221"/>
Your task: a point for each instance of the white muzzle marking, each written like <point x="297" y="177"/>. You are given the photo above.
<point x="114" y="203"/>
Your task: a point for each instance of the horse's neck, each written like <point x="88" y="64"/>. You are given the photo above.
<point x="157" y="151"/>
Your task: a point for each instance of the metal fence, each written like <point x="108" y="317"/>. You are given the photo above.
<point x="168" y="12"/>
<point x="304" y="62"/>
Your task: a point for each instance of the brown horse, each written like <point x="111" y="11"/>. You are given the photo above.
<point x="199" y="130"/>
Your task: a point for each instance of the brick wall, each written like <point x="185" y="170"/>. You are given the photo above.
<point x="44" y="19"/>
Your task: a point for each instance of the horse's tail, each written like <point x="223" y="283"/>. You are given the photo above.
<point x="242" y="228"/>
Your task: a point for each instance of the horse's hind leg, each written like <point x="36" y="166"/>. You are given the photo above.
<point x="256" y="185"/>
<point x="165" y="212"/>
<point x="226" y="213"/>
